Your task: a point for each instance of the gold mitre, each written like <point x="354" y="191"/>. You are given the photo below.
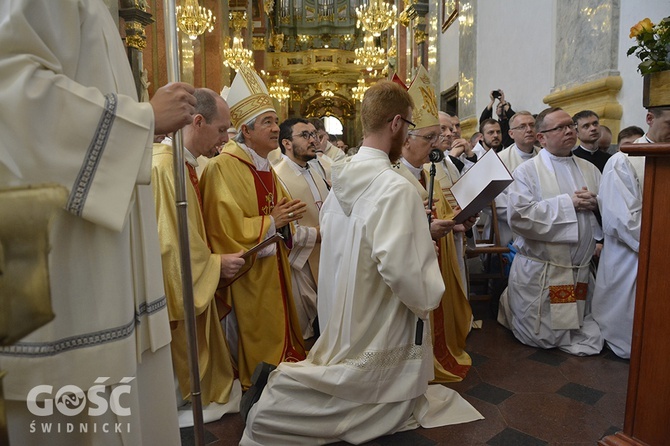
<point x="425" y="100"/>
<point x="248" y="97"/>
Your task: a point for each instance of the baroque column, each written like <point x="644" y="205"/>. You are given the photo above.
<point x="135" y="15"/>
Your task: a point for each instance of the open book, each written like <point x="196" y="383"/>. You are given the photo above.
<point x="248" y="257"/>
<point x="480" y="185"/>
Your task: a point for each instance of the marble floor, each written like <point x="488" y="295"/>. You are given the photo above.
<point x="528" y="397"/>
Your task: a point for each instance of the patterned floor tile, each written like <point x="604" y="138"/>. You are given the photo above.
<point x="510" y="437"/>
<point x="188" y="436"/>
<point x="547" y="357"/>
<point x="490" y="394"/>
<point x="581" y="393"/>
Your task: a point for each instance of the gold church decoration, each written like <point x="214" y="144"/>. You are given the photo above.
<point x="278" y="89"/>
<point x="377" y="17"/>
<point x="370" y="55"/>
<point x="237" y="55"/>
<point x="194" y="20"/>
<point x="359" y="90"/>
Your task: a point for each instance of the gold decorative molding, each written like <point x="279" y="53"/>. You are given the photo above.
<point x="136" y="41"/>
<point x="307" y="64"/>
<point x="258" y="43"/>
<point x="135" y="35"/>
<point x="469" y="126"/>
<point x="420" y="36"/>
<point x="599" y="96"/>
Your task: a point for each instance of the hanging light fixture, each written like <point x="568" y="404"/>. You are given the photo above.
<point x="359" y="90"/>
<point x="278" y="90"/>
<point x="370" y="55"/>
<point x="237" y="55"/>
<point x="193" y="19"/>
<point x="377" y="17"/>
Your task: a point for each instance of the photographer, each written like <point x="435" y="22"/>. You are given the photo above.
<point x="503" y="111"/>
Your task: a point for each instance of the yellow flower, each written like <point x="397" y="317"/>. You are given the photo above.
<point x="640" y="27"/>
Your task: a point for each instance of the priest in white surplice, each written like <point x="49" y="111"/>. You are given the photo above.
<point x="522" y="131"/>
<point x="365" y="377"/>
<point x="70" y="116"/>
<point x="550" y="209"/>
<point x="620" y="200"/>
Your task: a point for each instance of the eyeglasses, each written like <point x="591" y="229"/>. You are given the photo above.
<point x="560" y="128"/>
<point x="411" y="125"/>
<point x="305" y="134"/>
<point x="432" y="138"/>
<point x="523" y="127"/>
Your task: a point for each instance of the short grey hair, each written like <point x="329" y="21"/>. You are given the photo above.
<point x="240" y="136"/>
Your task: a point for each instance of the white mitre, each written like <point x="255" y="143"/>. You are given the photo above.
<point x="248" y="97"/>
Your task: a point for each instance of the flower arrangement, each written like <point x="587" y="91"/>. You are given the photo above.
<point x="653" y="45"/>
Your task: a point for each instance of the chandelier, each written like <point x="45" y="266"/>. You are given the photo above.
<point x="369" y="56"/>
<point x="237" y="55"/>
<point x="359" y="90"/>
<point x="193" y="19"/>
<point x="377" y="17"/>
<point x="278" y="90"/>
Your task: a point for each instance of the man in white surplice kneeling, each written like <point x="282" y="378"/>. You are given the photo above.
<point x="365" y="377"/>
<point x="550" y="211"/>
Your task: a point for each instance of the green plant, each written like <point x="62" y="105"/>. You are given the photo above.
<point x="653" y="45"/>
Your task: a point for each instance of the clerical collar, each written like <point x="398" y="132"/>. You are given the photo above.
<point x="591" y="151"/>
<point x="262" y="164"/>
<point x="300" y="170"/>
<point x="416" y="171"/>
<point x="522" y="154"/>
<point x="648" y="140"/>
<point x="551" y="156"/>
<point x="188" y="156"/>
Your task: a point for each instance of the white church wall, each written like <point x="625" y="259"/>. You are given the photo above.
<point x="514" y="43"/>
<point x="515" y="52"/>
<point x="448" y="56"/>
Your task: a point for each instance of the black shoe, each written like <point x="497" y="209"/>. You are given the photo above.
<point x="258" y="381"/>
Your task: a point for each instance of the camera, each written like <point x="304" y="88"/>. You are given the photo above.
<point x="496" y="94"/>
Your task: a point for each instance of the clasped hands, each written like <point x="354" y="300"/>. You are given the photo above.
<point x="459" y="146"/>
<point x="583" y="200"/>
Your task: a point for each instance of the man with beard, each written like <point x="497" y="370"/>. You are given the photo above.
<point x="297" y="141"/>
<point x="365" y="377"/>
<point x="503" y="111"/>
<point x="550" y="209"/>
<point x="491" y="137"/>
<point x="244" y="203"/>
<point x="588" y="132"/>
